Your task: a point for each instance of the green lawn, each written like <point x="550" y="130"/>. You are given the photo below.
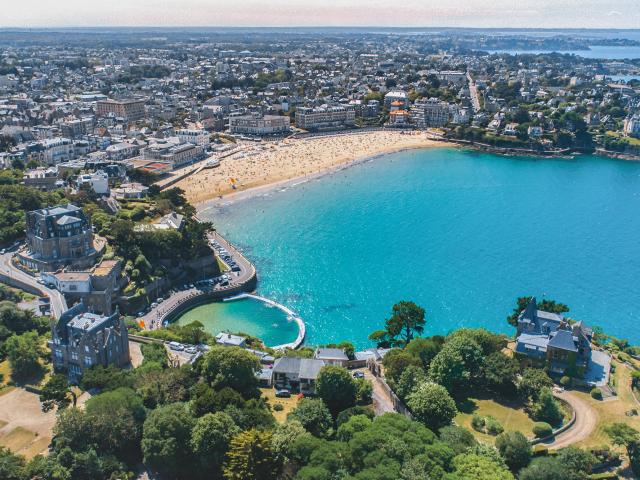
<point x="612" y="410"/>
<point x="632" y="141"/>
<point x="511" y="416"/>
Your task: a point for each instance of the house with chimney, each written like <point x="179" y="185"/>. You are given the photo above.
<point x="549" y="339"/>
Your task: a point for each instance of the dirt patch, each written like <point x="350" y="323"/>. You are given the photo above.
<point x="24" y="428"/>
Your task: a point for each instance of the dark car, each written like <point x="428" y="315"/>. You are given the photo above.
<point x="283" y="393"/>
<point x="358" y="374"/>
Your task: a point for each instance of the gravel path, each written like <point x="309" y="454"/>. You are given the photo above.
<point x="586" y="419"/>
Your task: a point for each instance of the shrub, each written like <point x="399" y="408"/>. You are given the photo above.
<point x="596" y="393"/>
<point x="477" y="422"/>
<point x="493" y="426"/>
<point x="542" y="429"/>
<point x="540" y="451"/>
<point x="278" y="407"/>
<point x="565" y="381"/>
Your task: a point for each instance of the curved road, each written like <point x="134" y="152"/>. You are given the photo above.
<point x="586" y="419"/>
<point x="58" y="302"/>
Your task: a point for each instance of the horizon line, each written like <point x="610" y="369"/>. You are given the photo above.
<point x="300" y="27"/>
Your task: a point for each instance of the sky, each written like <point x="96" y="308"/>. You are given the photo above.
<point x="392" y="13"/>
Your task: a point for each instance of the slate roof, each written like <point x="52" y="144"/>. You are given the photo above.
<point x="564" y="340"/>
<point x="310" y="367"/>
<point x="67" y="219"/>
<point x="302" y="367"/>
<point x="331" y="354"/>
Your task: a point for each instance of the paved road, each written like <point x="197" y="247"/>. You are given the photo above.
<point x="58" y="302"/>
<point x="382" y="402"/>
<point x="586" y="419"/>
<point x="473" y="90"/>
<point x="156" y="316"/>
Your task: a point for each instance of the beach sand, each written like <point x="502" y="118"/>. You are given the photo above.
<point x="267" y="163"/>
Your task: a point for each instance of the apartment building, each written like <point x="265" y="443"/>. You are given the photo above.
<point x="325" y="118"/>
<point x="430" y="113"/>
<point x="175" y="154"/>
<point x="197" y="137"/>
<point x="259" y="125"/>
<point x="130" y="110"/>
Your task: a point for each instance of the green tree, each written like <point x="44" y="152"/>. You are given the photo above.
<point x="545" y="468"/>
<point x="357" y="423"/>
<point x="515" y="449"/>
<point x="547" y="409"/>
<point x="407" y="320"/>
<point x="577" y="462"/>
<point x="409" y="380"/>
<point x="469" y="466"/>
<point x="106" y="378"/>
<point x="232" y="367"/>
<point x="628" y="437"/>
<point x="395" y="362"/>
<point x="210" y="440"/>
<point x="532" y="382"/>
<point x="166" y="439"/>
<point x="24" y="352"/>
<point x="425" y="349"/>
<point x="337" y="388"/>
<point x="431" y="404"/>
<point x="11" y="466"/>
<point x="284" y="436"/>
<point x="57" y="393"/>
<point x="501" y="373"/>
<point x="314" y="416"/>
<point x="458" y="365"/>
<point x="457" y="438"/>
<point x="251" y="457"/>
<point x="116" y="418"/>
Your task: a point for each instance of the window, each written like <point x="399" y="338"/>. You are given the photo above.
<point x="87" y="361"/>
<point x="86" y="348"/>
<point x="58" y="353"/>
<point x="74" y="355"/>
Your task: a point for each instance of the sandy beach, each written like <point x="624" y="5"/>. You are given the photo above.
<point x="267" y="163"/>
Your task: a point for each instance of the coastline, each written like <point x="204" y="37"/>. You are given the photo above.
<point x="286" y="179"/>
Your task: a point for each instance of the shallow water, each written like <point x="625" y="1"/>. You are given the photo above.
<point x="247" y="316"/>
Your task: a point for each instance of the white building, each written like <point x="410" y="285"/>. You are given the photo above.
<point x="197" y="137"/>
<point x="632" y="126"/>
<point x="430" y="113"/>
<point x="254" y="125"/>
<point x="325" y="117"/>
<point x="56" y="150"/>
<point x="396" y="96"/>
<point x="97" y="181"/>
<point x="122" y="151"/>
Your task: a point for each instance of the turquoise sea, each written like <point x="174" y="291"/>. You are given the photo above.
<point x="459" y="232"/>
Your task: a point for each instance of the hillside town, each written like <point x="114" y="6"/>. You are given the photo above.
<point x="158" y="106"/>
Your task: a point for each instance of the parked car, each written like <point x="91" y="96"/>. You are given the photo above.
<point x="358" y="374"/>
<point x="283" y="393"/>
<point x="191" y="350"/>
<point x="176" y="346"/>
